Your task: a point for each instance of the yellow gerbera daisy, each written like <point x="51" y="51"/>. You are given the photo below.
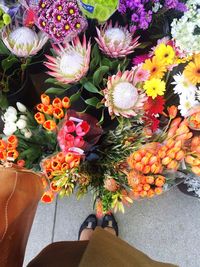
<point x="165" y="53"/>
<point x="154" y="87"/>
<point x="192" y="70"/>
<point x="155" y="67"/>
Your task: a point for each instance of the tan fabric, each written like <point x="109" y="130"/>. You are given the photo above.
<point x="20" y="191"/>
<point x="107" y="250"/>
<point x="103" y="250"/>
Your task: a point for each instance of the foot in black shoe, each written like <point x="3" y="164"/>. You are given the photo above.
<point x="87" y="227"/>
<point x="109" y="222"/>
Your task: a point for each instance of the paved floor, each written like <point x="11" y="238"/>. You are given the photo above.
<point x="167" y="228"/>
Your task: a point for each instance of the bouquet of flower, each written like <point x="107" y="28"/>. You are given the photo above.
<point x="122" y="118"/>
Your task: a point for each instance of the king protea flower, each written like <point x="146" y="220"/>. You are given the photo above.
<point x="72" y="61"/>
<point x="23" y="41"/>
<point x="117" y="41"/>
<point x="122" y="97"/>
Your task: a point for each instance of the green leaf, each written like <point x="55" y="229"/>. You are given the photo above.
<point x="91" y="88"/>
<point x="3" y="101"/>
<point x="92" y="101"/>
<point x="8" y="62"/>
<point x="54" y="81"/>
<point x="75" y="96"/>
<point x="99" y="73"/>
<point x="3" y="49"/>
<point x="144" y="45"/>
<point x="55" y="90"/>
<point x="102" y="117"/>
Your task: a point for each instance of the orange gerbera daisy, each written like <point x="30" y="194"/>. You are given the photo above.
<point x="192" y="70"/>
<point x="155" y="67"/>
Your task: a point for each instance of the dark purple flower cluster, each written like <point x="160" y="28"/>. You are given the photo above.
<point x="142" y="10"/>
<point x="61" y="19"/>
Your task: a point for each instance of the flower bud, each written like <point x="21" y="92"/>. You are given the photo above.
<point x="21" y="124"/>
<point x="27" y="134"/>
<point x="45" y="99"/>
<point x="82" y="128"/>
<point x="21" y="107"/>
<point x="9" y="128"/>
<point x="47" y="197"/>
<point x="172" y="111"/>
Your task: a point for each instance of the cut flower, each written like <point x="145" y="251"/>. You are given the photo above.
<point x="192" y="70"/>
<point x="71" y="63"/>
<point x="116" y="41"/>
<point x="154" y="87"/>
<point x="122" y="97"/>
<point x="23" y="41"/>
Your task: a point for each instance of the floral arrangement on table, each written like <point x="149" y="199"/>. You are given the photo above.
<point x="121" y="116"/>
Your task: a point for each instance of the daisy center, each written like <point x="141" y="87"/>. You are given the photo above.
<point x="125" y="95"/>
<point x="115" y="35"/>
<point x="71" y="63"/>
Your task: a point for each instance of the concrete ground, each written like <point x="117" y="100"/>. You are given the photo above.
<point x="166" y="228"/>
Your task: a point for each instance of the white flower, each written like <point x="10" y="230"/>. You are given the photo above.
<point x="27" y="134"/>
<point x="23" y="117"/>
<point x="23" y="41"/>
<point x="11" y="110"/>
<point x="21" y="107"/>
<point x="10" y="117"/>
<point x="183" y="86"/>
<point x="21" y="124"/>
<point x="186" y="103"/>
<point x="9" y="128"/>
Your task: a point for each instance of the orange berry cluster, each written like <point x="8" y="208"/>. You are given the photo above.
<point x="8" y="148"/>
<point x="145" y="161"/>
<point x="59" y="163"/>
<point x="56" y="110"/>
<point x="145" y="185"/>
<point x="193" y="157"/>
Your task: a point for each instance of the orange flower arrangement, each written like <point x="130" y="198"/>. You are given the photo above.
<point x="8" y="148"/>
<point x="49" y="114"/>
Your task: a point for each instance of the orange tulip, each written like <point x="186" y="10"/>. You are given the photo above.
<point x="166" y="160"/>
<point x="150" y="179"/>
<point x="57" y="103"/>
<point x="12" y="139"/>
<point x="69" y="157"/>
<point x="40" y="107"/>
<point x="180" y="155"/>
<point x="49" y="125"/>
<point x="54" y="187"/>
<point x="47" y="197"/>
<point x="189" y="159"/>
<point x="150" y="193"/>
<point x="64" y="166"/>
<point x="175" y="122"/>
<point x="138" y="188"/>
<point x="21" y="163"/>
<point x="136" y="156"/>
<point x="48" y="173"/>
<point x="143" y="193"/>
<point x="139" y="166"/>
<point x="170" y="143"/>
<point x="55" y="165"/>
<point x="158" y="190"/>
<point x="196" y="170"/>
<point x="39" y="117"/>
<point x="172" y="111"/>
<point x="3" y="155"/>
<point x="146" y="187"/>
<point x="60" y="157"/>
<point x="58" y="113"/>
<point x="48" y="109"/>
<point x="173" y="165"/>
<point x="145" y="160"/>
<point x="66" y="102"/>
<point x="45" y="99"/>
<point x="147" y="169"/>
<point x="160" y="181"/>
<point x="3" y="144"/>
<point x="12" y="154"/>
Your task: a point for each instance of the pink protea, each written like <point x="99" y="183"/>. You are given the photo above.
<point x="72" y="61"/>
<point x="117" y="41"/>
<point x="122" y="97"/>
<point x="23" y="41"/>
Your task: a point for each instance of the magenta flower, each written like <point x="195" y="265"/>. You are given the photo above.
<point x="82" y="128"/>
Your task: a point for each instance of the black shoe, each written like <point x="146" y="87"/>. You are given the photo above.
<point x="110" y="222"/>
<point x="89" y="223"/>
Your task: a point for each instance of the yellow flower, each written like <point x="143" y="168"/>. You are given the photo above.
<point x="154" y="87"/>
<point x="192" y="70"/>
<point x="165" y="53"/>
<point x="155" y="67"/>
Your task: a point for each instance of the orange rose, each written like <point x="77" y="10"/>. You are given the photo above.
<point x="66" y="102"/>
<point x="45" y="99"/>
<point x="49" y="125"/>
<point x="39" y="117"/>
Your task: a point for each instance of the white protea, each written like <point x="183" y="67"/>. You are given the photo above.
<point x="122" y="97"/>
<point x="117" y="41"/>
<point x="72" y="61"/>
<point x="23" y="41"/>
